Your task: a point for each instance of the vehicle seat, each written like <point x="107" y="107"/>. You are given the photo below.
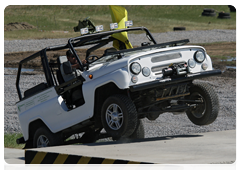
<point x="60" y="61"/>
<point x="73" y="96"/>
<point x="66" y="95"/>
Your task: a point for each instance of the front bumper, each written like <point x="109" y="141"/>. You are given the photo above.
<point x="167" y="81"/>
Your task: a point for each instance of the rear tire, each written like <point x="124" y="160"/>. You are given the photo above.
<point x="43" y="137"/>
<point x="119" y="116"/>
<point x="28" y="145"/>
<point x="207" y="112"/>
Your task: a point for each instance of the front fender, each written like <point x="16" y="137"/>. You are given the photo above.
<point x="119" y="77"/>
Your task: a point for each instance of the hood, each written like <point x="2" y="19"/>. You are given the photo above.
<point x="105" y="68"/>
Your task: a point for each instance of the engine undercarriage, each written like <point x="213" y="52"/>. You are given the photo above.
<point x="151" y="103"/>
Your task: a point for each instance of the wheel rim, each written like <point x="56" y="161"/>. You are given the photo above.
<point x="42" y="141"/>
<point x="114" y="117"/>
<point x="199" y="110"/>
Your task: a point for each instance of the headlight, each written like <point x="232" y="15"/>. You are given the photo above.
<point x="191" y="63"/>
<point x="135" y="68"/>
<point x="199" y="56"/>
<point x="146" y="71"/>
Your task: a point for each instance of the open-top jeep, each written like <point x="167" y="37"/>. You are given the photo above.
<point x="115" y="90"/>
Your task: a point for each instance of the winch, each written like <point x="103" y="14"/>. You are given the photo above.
<point x="176" y="70"/>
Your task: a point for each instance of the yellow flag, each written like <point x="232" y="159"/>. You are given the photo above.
<point x="119" y="15"/>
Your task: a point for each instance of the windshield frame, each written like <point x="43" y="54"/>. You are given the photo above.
<point x="90" y="39"/>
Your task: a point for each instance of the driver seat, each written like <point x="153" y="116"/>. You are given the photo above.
<point x="74" y="95"/>
<point x="66" y="95"/>
<point x="60" y="61"/>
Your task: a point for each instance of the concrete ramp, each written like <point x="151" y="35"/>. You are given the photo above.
<point x="204" y="148"/>
<point x="14" y="156"/>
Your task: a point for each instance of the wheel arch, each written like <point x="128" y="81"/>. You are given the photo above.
<point x="101" y="94"/>
<point x="33" y="126"/>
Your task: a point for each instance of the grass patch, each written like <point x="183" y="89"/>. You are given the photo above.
<point x="219" y="57"/>
<point x="157" y="18"/>
<point x="10" y="140"/>
<point x="220" y="52"/>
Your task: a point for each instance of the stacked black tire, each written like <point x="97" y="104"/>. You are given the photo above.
<point x="223" y="15"/>
<point x="179" y="28"/>
<point x="212" y="13"/>
<point x="208" y="12"/>
<point x="232" y="8"/>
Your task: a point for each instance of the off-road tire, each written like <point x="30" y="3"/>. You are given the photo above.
<point x="211" y="104"/>
<point x="28" y="145"/>
<point x="89" y="137"/>
<point x="139" y="131"/>
<point x="129" y="116"/>
<point x="54" y="139"/>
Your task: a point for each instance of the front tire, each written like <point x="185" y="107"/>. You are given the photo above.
<point x="139" y="132"/>
<point x="119" y="116"/>
<point x="43" y="137"/>
<point x="207" y="112"/>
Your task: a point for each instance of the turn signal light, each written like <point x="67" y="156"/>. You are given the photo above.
<point x="90" y="76"/>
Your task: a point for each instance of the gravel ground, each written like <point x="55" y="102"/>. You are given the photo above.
<point x="169" y="124"/>
<point x="193" y="36"/>
<point x="166" y="124"/>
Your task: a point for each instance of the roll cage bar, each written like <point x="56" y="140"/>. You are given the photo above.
<point x="97" y="38"/>
<point x="89" y="39"/>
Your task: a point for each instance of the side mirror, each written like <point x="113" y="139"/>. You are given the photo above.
<point x="67" y="67"/>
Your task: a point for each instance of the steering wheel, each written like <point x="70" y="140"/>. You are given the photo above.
<point x="91" y="58"/>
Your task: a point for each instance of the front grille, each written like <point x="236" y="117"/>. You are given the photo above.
<point x="166" y="57"/>
<point x="158" y="68"/>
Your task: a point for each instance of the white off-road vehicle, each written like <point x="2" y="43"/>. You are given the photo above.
<point x="115" y="90"/>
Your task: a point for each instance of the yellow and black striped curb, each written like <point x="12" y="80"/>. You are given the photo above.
<point x="13" y="168"/>
<point x="35" y="157"/>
